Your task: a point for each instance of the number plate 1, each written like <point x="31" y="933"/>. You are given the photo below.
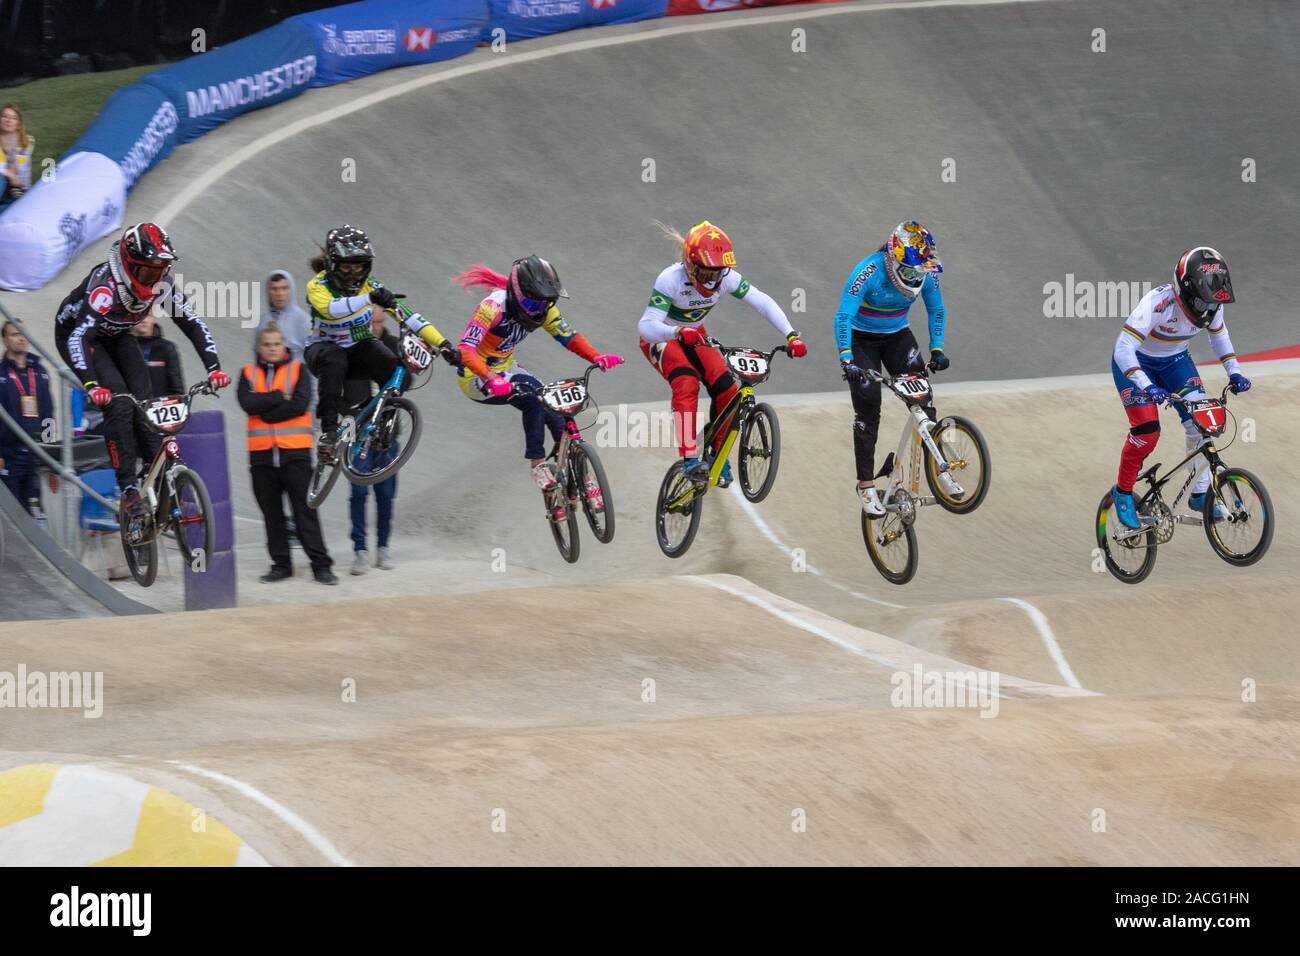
<point x="565" y="396"/>
<point x="168" y="413"/>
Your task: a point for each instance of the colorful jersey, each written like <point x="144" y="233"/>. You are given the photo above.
<point x="345" y="319"/>
<point x="870" y="303"/>
<point x="94" y="308"/>
<point x="488" y="342"/>
<point x="676" y="303"/>
<point x="1158" y="328"/>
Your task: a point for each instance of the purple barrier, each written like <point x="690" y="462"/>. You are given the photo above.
<point x="203" y="445"/>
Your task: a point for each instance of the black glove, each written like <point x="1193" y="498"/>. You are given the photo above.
<point x="450" y="354"/>
<point x="852" y="374"/>
<point x="385" y="298"/>
<point x="938" y="361"/>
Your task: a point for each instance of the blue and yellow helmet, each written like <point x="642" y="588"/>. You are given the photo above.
<point x="912" y="255"/>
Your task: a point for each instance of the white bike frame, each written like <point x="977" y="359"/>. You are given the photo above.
<point x="917" y="431"/>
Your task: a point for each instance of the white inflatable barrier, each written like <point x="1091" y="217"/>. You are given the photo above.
<point x="43" y="232"/>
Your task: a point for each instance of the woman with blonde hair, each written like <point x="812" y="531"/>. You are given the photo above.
<point x="16" y="146"/>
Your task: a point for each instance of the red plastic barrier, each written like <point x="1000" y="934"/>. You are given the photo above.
<point x="677" y="8"/>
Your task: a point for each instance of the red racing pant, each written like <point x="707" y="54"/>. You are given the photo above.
<point x="685" y="367"/>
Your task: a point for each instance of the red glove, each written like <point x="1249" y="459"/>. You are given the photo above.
<point x="692" y="336"/>
<point x="99" y="395"/>
<point x="797" y="347"/>
<point x="218" y="378"/>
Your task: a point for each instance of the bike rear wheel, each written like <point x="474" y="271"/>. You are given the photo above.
<point x="891" y="545"/>
<point x="191" y="518"/>
<point x="590" y="476"/>
<point x="677" y="512"/>
<point x="967" y="454"/>
<point x="375" y="455"/>
<point x="1130" y="560"/>
<point x="565" y="532"/>
<point x="760" y="452"/>
<point x="1243" y="536"/>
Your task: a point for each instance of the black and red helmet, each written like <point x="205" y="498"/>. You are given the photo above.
<point x="140" y="260"/>
<point x="1202" y="283"/>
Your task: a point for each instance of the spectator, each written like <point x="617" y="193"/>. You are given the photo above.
<point x="275" y="391"/>
<point x="284" y="310"/>
<point x="163" y="359"/>
<point x="25" y="395"/>
<point x="356" y="392"/>
<point x="16" y="146"/>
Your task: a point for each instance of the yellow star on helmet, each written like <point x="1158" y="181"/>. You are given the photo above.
<point x="715" y="234"/>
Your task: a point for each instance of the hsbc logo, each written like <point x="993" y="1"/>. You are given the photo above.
<point x="419" y="38"/>
<point x="101" y="299"/>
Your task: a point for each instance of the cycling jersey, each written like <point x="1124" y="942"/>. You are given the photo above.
<point x="345" y="319"/>
<point x="1159" y="328"/>
<point x="675" y="303"/>
<point x="95" y="310"/>
<point x="871" y="303"/>
<point x="487" y="345"/>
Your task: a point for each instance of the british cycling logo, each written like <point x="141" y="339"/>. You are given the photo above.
<point x="418" y="38"/>
<point x="529" y="9"/>
<point x="357" y="42"/>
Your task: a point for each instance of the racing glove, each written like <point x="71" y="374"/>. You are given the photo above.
<point x="607" y="362"/>
<point x="385" y="298"/>
<point x="218" y="378"/>
<point x="98" y="394"/>
<point x="1239" y="383"/>
<point x="692" y="336"/>
<point x="938" y="361"/>
<point x="1157" y="394"/>
<point x="798" y="348"/>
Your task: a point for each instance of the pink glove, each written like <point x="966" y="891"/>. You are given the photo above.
<point x="499" y="386"/>
<point x="607" y="362"/>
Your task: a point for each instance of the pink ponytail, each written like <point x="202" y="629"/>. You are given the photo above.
<point x="480" y="275"/>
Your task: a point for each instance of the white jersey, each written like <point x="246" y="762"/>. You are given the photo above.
<point x="676" y="303"/>
<point x="1159" y="328"/>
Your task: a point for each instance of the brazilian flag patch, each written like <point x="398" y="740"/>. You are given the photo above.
<point x="741" y="289"/>
<point x="659" y="301"/>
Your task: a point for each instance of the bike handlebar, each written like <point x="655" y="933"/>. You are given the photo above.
<point x="1223" y="397"/>
<point x="740" y="348"/>
<point x="525" y="389"/>
<point x="198" y="388"/>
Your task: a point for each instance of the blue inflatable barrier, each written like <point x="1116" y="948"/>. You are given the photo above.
<point x="535" y="18"/>
<point x="363" y="38"/>
<point x="137" y="129"/>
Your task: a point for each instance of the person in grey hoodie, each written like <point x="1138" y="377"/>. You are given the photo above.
<point x="283" y="309"/>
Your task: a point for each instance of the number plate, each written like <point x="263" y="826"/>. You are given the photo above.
<point x="168" y="413"/>
<point x="565" y="396"/>
<point x="1211" y="416"/>
<point x="747" y="364"/>
<point x="416" y="352"/>
<point x="912" y="387"/>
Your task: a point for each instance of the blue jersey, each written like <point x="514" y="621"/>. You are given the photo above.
<point x="870" y="303"/>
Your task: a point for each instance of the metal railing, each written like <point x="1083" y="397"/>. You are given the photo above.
<point x="63" y="469"/>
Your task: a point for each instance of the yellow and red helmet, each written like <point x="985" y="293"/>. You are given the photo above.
<point x="708" y="256"/>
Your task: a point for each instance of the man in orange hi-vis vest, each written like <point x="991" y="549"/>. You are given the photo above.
<point x="275" y="391"/>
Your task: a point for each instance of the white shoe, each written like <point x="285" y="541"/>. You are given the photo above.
<point x="950" y="486"/>
<point x="385" y="560"/>
<point x="361" y="562"/>
<point x="544" y="475"/>
<point x="871" y="502"/>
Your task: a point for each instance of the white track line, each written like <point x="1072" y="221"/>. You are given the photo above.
<point x="752" y="513"/>
<point x="1049" y="640"/>
<point x="493" y="61"/>
<point x="304" y="829"/>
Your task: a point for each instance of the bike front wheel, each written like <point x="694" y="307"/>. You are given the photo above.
<point x="565" y="532"/>
<point x="141" y="559"/>
<point x="760" y="452"/>
<point x="593" y="490"/>
<point x="891" y="545"/>
<point x="378" y="453"/>
<point x="677" y="511"/>
<point x="1130" y="555"/>
<point x="323" y="476"/>
<point x="967" y="455"/>
<point x="191" y="519"/>
<point x="1245" y="532"/>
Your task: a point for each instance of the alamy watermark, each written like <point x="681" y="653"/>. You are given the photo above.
<point x="935" y="689"/>
<point x="68" y="690"/>
<point x="1083" y="299"/>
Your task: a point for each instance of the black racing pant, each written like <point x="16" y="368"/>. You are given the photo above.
<point x="270" y="482"/>
<point x="899" y="353"/>
<point x="333" y="365"/>
<point x="119" y="366"/>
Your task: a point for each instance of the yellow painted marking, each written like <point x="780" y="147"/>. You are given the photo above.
<point x="23" y="790"/>
<point x="165" y="836"/>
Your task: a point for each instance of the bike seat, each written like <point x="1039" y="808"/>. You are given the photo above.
<point x="1150" y="473"/>
<point x="887" y="467"/>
